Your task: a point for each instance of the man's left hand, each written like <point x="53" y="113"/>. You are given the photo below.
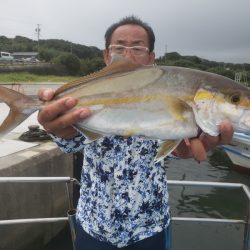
<point x="198" y="147"/>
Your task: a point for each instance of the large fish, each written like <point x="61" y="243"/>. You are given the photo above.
<point x="158" y="102"/>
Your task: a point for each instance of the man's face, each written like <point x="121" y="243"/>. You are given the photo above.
<point x="130" y="35"/>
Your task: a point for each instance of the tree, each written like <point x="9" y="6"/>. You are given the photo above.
<point x="48" y="54"/>
<point x="222" y="71"/>
<point x="71" y="62"/>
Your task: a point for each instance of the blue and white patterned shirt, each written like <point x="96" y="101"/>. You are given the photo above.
<point x="123" y="195"/>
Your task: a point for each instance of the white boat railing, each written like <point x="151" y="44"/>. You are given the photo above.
<point x="245" y="189"/>
<point x="69" y="180"/>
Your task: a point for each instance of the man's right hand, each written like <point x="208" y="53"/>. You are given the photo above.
<point x="59" y="116"/>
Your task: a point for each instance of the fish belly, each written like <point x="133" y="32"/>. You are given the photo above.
<point x="141" y="119"/>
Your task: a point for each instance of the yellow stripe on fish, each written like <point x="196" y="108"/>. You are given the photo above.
<point x="172" y="105"/>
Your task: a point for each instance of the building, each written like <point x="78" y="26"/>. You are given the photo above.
<point x="24" y="55"/>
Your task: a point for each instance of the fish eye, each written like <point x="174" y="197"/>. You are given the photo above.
<point x="235" y="99"/>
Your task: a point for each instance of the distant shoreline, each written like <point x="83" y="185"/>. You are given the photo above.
<point x="33" y="82"/>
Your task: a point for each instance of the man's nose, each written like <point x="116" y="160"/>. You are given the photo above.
<point x="128" y="55"/>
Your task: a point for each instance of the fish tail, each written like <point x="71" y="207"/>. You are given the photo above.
<point x="21" y="107"/>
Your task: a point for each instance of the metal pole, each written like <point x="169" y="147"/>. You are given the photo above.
<point x="72" y="225"/>
<point x="247" y="231"/>
<point x="35" y="179"/>
<point x="212" y="184"/>
<point x="69" y="196"/>
<point x="208" y="220"/>
<point x="71" y="216"/>
<point x="77" y="170"/>
<point x="33" y="220"/>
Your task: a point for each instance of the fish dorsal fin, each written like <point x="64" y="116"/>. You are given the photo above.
<point x="165" y="149"/>
<point x="118" y="65"/>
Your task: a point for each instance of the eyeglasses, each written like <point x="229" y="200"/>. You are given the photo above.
<point x="134" y="50"/>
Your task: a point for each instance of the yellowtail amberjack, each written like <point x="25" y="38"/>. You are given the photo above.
<point x="158" y="102"/>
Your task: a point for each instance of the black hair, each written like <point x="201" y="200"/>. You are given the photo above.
<point x="134" y="21"/>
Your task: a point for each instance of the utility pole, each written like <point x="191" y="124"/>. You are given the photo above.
<point x="166" y="49"/>
<point x="38" y="30"/>
<point x="13" y="44"/>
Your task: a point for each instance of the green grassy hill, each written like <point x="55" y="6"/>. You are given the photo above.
<point x="79" y="59"/>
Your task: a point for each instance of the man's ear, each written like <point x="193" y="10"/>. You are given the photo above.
<point x="152" y="57"/>
<point x="106" y="56"/>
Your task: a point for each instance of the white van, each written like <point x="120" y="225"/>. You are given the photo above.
<point x="6" y="56"/>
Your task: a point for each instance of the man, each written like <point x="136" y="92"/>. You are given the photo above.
<point x="123" y="199"/>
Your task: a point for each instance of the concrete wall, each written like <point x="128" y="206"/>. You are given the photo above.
<point x="33" y="200"/>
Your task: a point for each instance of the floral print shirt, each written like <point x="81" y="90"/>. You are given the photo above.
<point x="123" y="195"/>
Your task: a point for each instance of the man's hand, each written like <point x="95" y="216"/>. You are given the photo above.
<point x="198" y="147"/>
<point x="57" y="118"/>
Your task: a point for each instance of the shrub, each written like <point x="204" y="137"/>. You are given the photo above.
<point x="71" y="62"/>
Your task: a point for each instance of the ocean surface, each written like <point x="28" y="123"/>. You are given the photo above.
<point x="199" y="202"/>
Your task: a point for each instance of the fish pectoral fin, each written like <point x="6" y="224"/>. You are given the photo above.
<point x="165" y="149"/>
<point x="91" y="136"/>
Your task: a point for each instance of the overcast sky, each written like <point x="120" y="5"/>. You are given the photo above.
<point x="212" y="29"/>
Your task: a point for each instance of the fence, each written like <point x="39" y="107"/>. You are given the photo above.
<point x="69" y="180"/>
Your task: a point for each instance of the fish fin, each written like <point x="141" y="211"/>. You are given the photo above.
<point x="165" y="149"/>
<point x="11" y="121"/>
<point x="118" y="65"/>
<point x="19" y="108"/>
<point x="176" y="107"/>
<point x="91" y="136"/>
